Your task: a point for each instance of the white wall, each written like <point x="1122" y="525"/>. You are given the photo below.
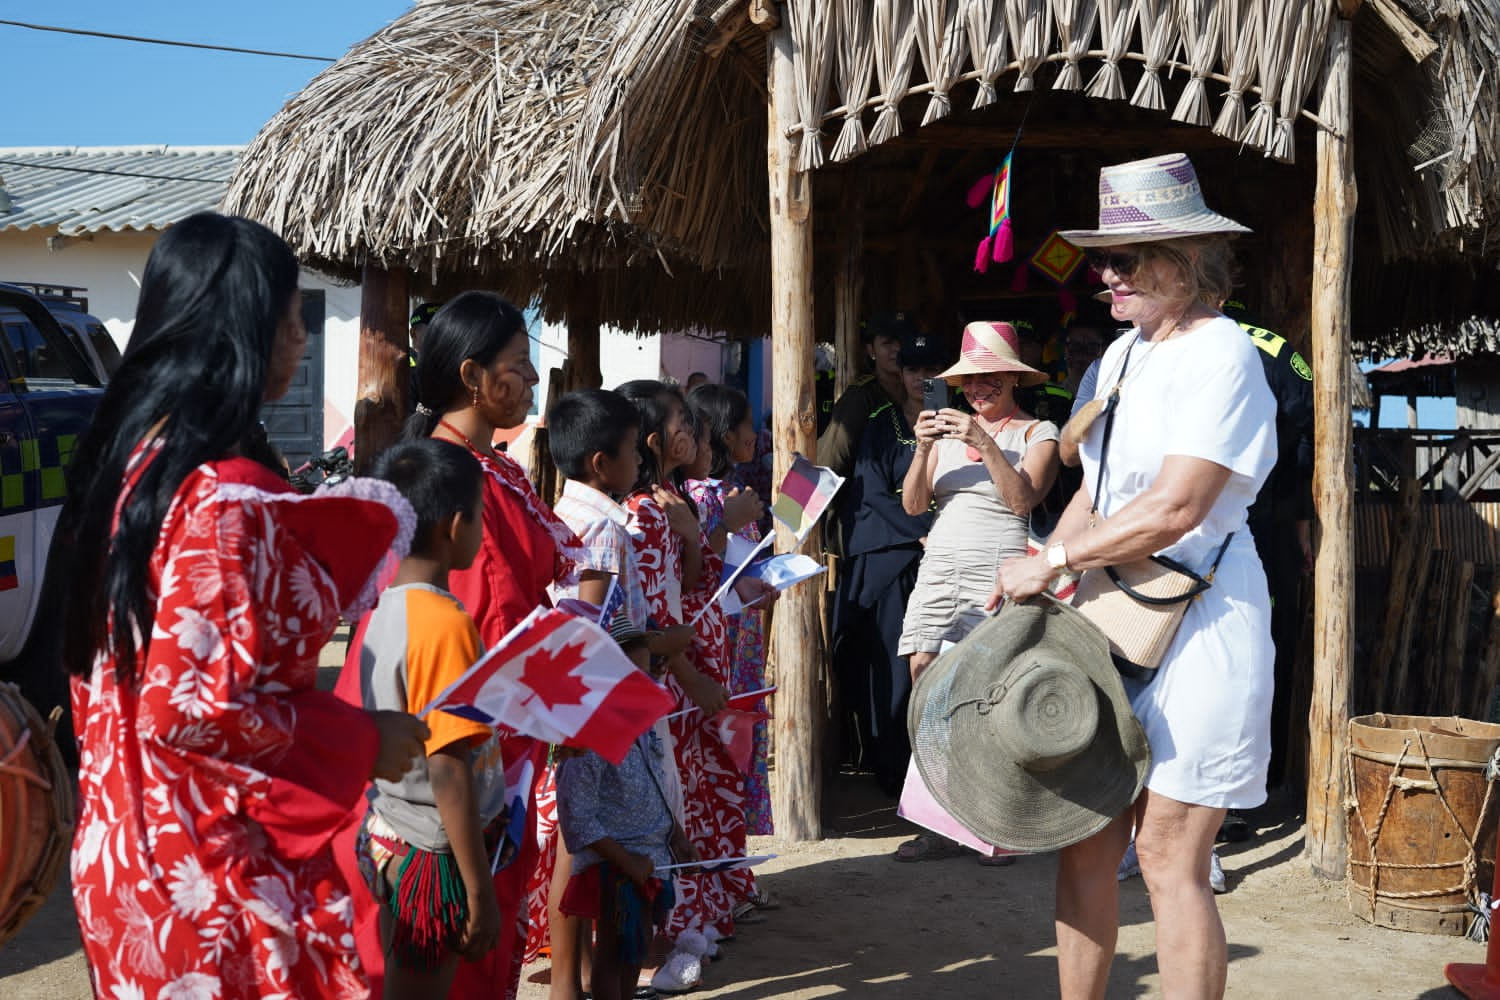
<point x="109" y="265"/>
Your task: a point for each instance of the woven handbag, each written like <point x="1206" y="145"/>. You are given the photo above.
<point x="1138" y="605"/>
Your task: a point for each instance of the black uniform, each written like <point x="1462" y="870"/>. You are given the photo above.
<point x="1285" y="499"/>
<point x="882" y="546"/>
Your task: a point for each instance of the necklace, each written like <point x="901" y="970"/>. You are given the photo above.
<point x="459" y="434"/>
<point x="973" y="454"/>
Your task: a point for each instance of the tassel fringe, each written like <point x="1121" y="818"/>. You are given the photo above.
<point x="430" y="906"/>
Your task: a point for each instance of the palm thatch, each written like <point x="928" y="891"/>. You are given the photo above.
<point x="440" y="144"/>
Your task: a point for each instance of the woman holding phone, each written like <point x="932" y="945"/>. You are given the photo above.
<point x="986" y="470"/>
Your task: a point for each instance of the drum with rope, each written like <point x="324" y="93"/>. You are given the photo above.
<point x="36" y="809"/>
<point x="1422" y="817"/>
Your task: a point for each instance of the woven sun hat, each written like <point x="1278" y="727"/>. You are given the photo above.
<point x="991" y="347"/>
<point x="1023" y="731"/>
<point x="1149" y="200"/>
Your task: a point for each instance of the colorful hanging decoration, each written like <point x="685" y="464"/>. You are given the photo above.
<point x="999" y="245"/>
<point x="1057" y="258"/>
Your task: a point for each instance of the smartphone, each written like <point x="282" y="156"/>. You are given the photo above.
<point x="934" y="394"/>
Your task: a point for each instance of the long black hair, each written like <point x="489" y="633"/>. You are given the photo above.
<point x="474" y="326"/>
<point x="654" y="401"/>
<point x="193" y="378"/>
<point x="723" y="408"/>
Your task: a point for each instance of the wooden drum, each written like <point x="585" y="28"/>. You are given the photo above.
<point x="36" y="809"/>
<point x="1422" y="817"/>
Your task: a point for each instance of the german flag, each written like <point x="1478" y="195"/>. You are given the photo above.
<point x="8" y="578"/>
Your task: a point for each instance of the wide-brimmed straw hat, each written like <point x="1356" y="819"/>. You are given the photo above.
<point x="1023" y="731"/>
<point x="988" y="348"/>
<point x="1145" y="201"/>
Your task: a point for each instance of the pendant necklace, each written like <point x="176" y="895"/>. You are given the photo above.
<point x="973" y="454"/>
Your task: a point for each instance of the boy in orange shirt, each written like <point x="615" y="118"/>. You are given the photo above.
<point x="423" y="845"/>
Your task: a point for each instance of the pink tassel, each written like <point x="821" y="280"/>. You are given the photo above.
<point x="1020" y="279"/>
<point x="1005" y="242"/>
<point x="982" y="257"/>
<point x="981" y="190"/>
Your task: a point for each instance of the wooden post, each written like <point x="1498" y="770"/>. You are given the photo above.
<point x="1333" y="581"/>
<point x="583" y="335"/>
<point x="384" y="338"/>
<point x="797" y="629"/>
<point x="849" y="281"/>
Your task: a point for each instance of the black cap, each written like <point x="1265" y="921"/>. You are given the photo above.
<point x="923" y="350"/>
<point x="424" y="313"/>
<point x="896" y="324"/>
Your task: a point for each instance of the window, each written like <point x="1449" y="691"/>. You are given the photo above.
<point x="104" y="346"/>
<point x="36" y="357"/>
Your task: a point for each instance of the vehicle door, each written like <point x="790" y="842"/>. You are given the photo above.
<point x="49" y="399"/>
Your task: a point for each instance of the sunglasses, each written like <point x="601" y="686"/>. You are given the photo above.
<point x="1122" y="262"/>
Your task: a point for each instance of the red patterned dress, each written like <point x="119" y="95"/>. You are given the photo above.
<point x="713" y="788"/>
<point x="209" y="789"/>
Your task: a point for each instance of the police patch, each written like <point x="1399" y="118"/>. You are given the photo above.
<point x="1301" y="367"/>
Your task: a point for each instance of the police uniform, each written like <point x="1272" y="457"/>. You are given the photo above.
<point x="1285" y="499"/>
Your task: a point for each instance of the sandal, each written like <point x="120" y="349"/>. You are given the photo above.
<point x="763" y="901"/>
<point x="928" y="847"/>
<point x="745" y="914"/>
<point x="997" y="860"/>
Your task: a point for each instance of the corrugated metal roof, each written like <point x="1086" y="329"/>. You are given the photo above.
<point x="83" y="189"/>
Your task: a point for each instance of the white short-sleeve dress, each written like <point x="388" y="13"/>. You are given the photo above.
<point x="1207" y="712"/>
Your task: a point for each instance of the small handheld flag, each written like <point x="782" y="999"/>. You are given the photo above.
<point x="560" y="679"/>
<point x="804" y="495"/>
<point x="999" y="245"/>
<point x="719" y="864"/>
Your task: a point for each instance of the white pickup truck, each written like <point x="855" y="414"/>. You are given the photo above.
<point x="55" y="359"/>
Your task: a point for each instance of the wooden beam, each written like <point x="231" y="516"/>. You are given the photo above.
<point x="1333" y="581"/>
<point x="918" y="186"/>
<point x="797" y="626"/>
<point x="764" y="15"/>
<point x="583" y="336"/>
<point x="849" y="281"/>
<point x="1418" y="42"/>
<point x="381" y="405"/>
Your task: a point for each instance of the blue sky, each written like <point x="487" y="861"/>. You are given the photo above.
<point x="68" y="90"/>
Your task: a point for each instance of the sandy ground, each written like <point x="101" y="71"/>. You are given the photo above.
<point x="850" y="922"/>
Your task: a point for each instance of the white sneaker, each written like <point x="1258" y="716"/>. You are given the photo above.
<point x="1215" y="873"/>
<point x="1130" y="865"/>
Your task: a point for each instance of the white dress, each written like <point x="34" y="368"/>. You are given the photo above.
<point x="1207" y="713"/>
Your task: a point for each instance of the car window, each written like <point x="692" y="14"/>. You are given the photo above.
<point x="104" y="346"/>
<point x="35" y="356"/>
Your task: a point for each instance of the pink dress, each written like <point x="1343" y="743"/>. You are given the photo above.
<point x="210" y="788"/>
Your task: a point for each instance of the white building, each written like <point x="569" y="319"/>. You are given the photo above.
<point x="87" y="217"/>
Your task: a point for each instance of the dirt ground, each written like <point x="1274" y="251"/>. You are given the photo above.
<point x="850" y="922"/>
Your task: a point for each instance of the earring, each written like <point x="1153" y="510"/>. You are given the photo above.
<point x="474" y="394"/>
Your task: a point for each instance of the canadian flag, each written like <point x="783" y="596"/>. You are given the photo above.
<point x="563" y="680"/>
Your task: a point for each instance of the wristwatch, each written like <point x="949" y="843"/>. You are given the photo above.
<point x="1057" y="557"/>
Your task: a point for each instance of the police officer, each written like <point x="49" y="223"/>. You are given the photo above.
<point x="882" y="336"/>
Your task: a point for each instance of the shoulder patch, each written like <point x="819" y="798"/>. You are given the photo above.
<point x="1301" y="367"/>
<point x="1271" y="343"/>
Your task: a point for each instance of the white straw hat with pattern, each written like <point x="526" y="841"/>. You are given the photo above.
<point x="1146" y="201"/>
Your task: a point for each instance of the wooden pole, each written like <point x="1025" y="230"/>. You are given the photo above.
<point x="384" y="339"/>
<point x="1333" y="581"/>
<point x="849" y="281"/>
<point x="797" y="628"/>
<point x="583" y="335"/>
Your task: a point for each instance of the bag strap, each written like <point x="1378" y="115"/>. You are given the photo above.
<point x="1110" y="405"/>
<point x="1200" y="583"/>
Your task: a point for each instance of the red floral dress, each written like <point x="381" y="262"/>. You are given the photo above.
<point x="209" y="788"/>
<point x="713" y="788"/>
<point x="526" y="547"/>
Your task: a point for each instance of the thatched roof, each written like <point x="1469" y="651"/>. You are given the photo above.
<point x="531" y="144"/>
<point x="441" y="143"/>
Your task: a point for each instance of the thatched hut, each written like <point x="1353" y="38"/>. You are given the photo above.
<point x="717" y="161"/>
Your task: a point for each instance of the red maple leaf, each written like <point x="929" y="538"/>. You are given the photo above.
<point x="549" y="674"/>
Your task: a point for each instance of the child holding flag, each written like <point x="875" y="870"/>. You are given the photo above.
<point x="422" y="847"/>
<point x="593" y="436"/>
<point x="617" y="822"/>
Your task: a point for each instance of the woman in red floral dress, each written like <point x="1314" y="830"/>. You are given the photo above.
<point x="200" y="591"/>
